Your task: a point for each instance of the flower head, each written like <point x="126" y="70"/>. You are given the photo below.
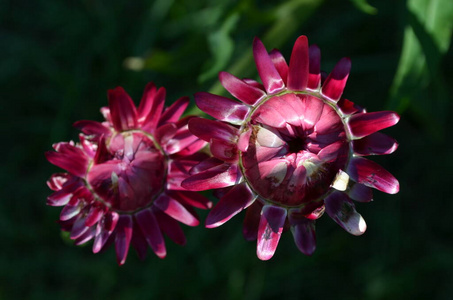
<point x="123" y="180"/>
<point x="290" y="149"/>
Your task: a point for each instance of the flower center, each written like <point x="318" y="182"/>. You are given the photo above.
<point x="297" y="146"/>
<point x="132" y="173"/>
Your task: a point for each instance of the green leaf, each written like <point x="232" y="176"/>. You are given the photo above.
<point x="364" y="6"/>
<point x="221" y="46"/>
<point x="418" y="85"/>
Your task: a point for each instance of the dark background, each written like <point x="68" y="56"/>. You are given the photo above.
<point x="58" y="58"/>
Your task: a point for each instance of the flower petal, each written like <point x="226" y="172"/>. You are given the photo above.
<point x="371" y="174"/>
<point x="342" y="210"/>
<point x="151" y="231"/>
<point x="272" y="81"/>
<point x="375" y="144"/>
<point x="122" y="110"/>
<point x="233" y="202"/>
<point x="364" y="124"/>
<point x="123" y="238"/>
<point x="170" y="227"/>
<point x="208" y="129"/>
<point x="221" y="108"/>
<point x="314" y="76"/>
<point x="92" y="128"/>
<point x="252" y="220"/>
<point x="147" y="102"/>
<point x="175" y="111"/>
<point x="303" y="231"/>
<point x="280" y="64"/>
<point x="152" y="118"/>
<point x="214" y="178"/>
<point x="336" y="81"/>
<point x="269" y="231"/>
<point x="240" y="89"/>
<point x="298" y="65"/>
<point x="360" y="193"/>
<point x="176" y="210"/>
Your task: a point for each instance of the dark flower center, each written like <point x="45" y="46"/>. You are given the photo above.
<point x="296" y="145"/>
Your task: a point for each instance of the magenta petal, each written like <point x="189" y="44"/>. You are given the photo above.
<point x="221" y="108"/>
<point x="78" y="228"/>
<point x="266" y="114"/>
<point x="269" y="231"/>
<point x="75" y="161"/>
<point x="59" y="198"/>
<point x="314" y="76"/>
<point x="269" y="75"/>
<point x="175" y="210"/>
<point x="206" y="164"/>
<point x="92" y="128"/>
<point x="303" y="231"/>
<point x="251" y="221"/>
<point x="175" y="111"/>
<point x="298" y="65"/>
<point x="244" y="140"/>
<point x="233" y="202"/>
<point x="123" y="238"/>
<point x="225" y="151"/>
<point x="104" y="229"/>
<point x="94" y="215"/>
<point x="165" y="133"/>
<point x="147" y="101"/>
<point x="342" y="210"/>
<point x="151" y="231"/>
<point x="360" y="193"/>
<point x="139" y="243"/>
<point x="280" y="64"/>
<point x="191" y="198"/>
<point x="85" y="237"/>
<point x="170" y="227"/>
<point x="375" y="144"/>
<point x="208" y="129"/>
<point x="313" y="111"/>
<point x="217" y="177"/>
<point x="364" y="124"/>
<point x="240" y="89"/>
<point x="155" y="112"/>
<point x="333" y="151"/>
<point x="371" y="174"/>
<point x="71" y="210"/>
<point x="336" y="81"/>
<point x="122" y="110"/>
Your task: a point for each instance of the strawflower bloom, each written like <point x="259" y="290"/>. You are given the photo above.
<point x="290" y="149"/>
<point x="123" y="180"/>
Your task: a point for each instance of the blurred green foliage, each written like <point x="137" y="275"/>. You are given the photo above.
<point x="60" y="57"/>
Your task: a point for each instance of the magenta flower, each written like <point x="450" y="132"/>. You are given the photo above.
<point x="291" y="149"/>
<point x="124" y="177"/>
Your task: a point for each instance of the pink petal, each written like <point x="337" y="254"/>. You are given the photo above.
<point x="303" y="231"/>
<point x="298" y="65"/>
<point x="71" y="210"/>
<point x="176" y="210"/>
<point x="285" y="109"/>
<point x="208" y="129"/>
<point x="184" y="143"/>
<point x="329" y="122"/>
<point x="269" y="231"/>
<point x="280" y="64"/>
<point x="147" y="101"/>
<point x="251" y="221"/>
<point x="272" y="81"/>
<point x="138" y="242"/>
<point x="73" y="160"/>
<point x="225" y="151"/>
<point x="205" y="165"/>
<point x="214" y="178"/>
<point x="122" y="110"/>
<point x="266" y="114"/>
<point x="375" y="144"/>
<point x="342" y="210"/>
<point x="78" y="228"/>
<point x="221" y="108"/>
<point x="92" y="128"/>
<point x="348" y="107"/>
<point x="85" y="237"/>
<point x="270" y="139"/>
<point x="151" y="231"/>
<point x="123" y="238"/>
<point x="313" y="111"/>
<point x="334" y="152"/>
<point x="360" y="193"/>
<point x="244" y="140"/>
<point x="165" y="133"/>
<point x="175" y="111"/>
<point x="314" y="76"/>
<point x="371" y="174"/>
<point x="334" y="85"/>
<point x="191" y="198"/>
<point x="153" y="117"/>
<point x="94" y="215"/>
<point x="233" y="202"/>
<point x="240" y="89"/>
<point x="170" y="227"/>
<point x="364" y="124"/>
<point x="104" y="229"/>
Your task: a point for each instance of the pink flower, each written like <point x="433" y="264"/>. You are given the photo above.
<point x="290" y="149"/>
<point x="124" y="177"/>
